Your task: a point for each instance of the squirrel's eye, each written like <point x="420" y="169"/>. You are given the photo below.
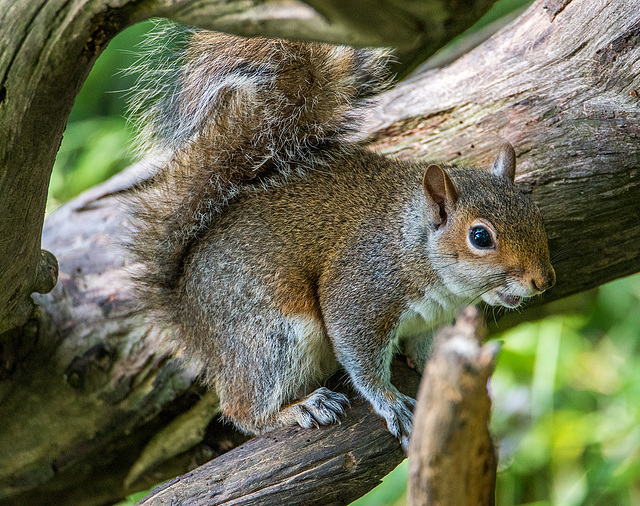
<point x="480" y="237"/>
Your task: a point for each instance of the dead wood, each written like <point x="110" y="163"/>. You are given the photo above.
<point x="452" y="459"/>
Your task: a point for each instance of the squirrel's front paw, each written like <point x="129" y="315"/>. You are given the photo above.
<point x="321" y="407"/>
<point x="398" y="414"/>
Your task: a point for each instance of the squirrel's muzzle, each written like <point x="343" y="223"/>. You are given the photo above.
<point x="544" y="279"/>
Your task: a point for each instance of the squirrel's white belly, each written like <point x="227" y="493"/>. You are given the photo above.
<point x="423" y="317"/>
<point x="312" y="348"/>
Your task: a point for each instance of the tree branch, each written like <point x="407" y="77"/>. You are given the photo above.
<point x="450" y="437"/>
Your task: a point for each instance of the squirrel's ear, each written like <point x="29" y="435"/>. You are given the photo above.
<point x="441" y="194"/>
<point x="505" y="164"/>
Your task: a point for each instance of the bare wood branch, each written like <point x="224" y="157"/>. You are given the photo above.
<point x="452" y="460"/>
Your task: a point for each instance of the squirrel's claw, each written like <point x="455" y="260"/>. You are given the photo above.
<point x="398" y="415"/>
<point x="322" y="407"/>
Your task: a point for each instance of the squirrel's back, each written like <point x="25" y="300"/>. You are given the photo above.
<point x="227" y="115"/>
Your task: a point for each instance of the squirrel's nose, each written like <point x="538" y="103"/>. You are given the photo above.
<point x="544" y="280"/>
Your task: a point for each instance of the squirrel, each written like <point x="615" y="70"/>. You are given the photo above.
<point x="275" y="247"/>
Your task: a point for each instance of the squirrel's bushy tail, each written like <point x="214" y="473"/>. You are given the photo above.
<point x="226" y="113"/>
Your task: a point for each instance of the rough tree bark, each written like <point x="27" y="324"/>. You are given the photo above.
<point x="452" y="459"/>
<point x="85" y="386"/>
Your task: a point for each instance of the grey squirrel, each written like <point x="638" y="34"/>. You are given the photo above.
<point x="274" y="248"/>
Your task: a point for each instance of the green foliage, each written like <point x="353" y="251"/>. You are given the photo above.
<point x="391" y="492"/>
<point x="97" y="141"/>
<point x="133" y="499"/>
<point x="93" y="150"/>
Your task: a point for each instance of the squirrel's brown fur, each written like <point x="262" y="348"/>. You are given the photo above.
<point x="275" y="248"/>
<point x="237" y="116"/>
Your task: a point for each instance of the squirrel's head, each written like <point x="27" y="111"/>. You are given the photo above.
<point x="488" y="234"/>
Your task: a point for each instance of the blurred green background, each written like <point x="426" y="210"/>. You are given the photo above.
<point x="566" y="391"/>
<point x="97" y="142"/>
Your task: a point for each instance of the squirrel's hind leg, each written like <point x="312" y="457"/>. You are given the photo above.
<point x="295" y="356"/>
<point x="322" y="407"/>
<point x="256" y="325"/>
